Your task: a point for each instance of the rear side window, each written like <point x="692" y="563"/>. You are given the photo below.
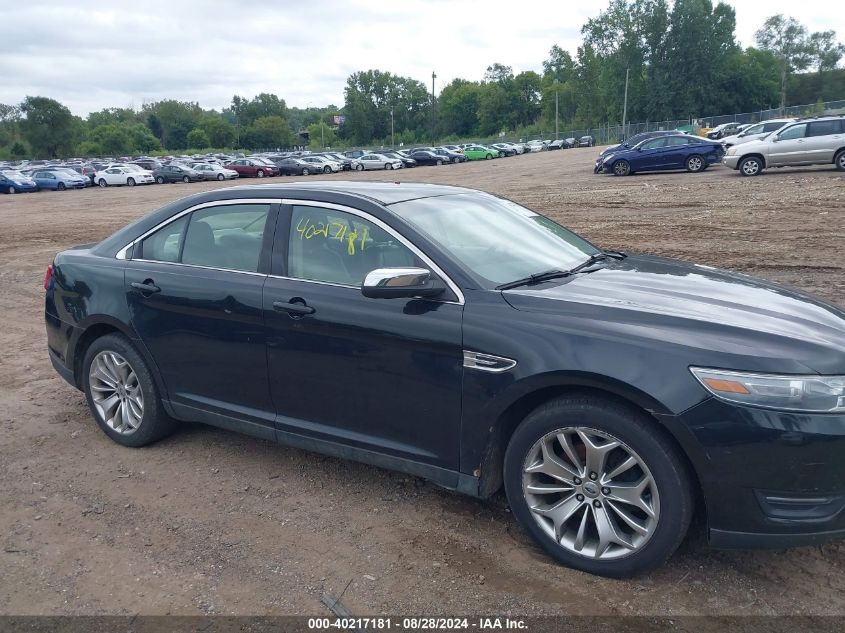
<point x="672" y="141"/>
<point x="229" y="237"/>
<point x="825" y="128"/>
<point x="771" y="127"/>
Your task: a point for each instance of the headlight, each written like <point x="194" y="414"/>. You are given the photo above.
<point x="811" y="394"/>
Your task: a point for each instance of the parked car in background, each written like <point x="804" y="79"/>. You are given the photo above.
<point x="636" y="139"/>
<point x="355" y="153"/>
<point x="118" y="176"/>
<point x="253" y="168"/>
<point x="504" y="149"/>
<point x="682" y="151"/>
<point x="557" y="144"/>
<point x="295" y="167"/>
<point x="344" y="161"/>
<point x="726" y="129"/>
<point x="754" y="132"/>
<point x="480" y="152"/>
<point x="378" y="161"/>
<point x="817" y="141"/>
<point x="536" y="146"/>
<point x="214" y="172"/>
<point x="59" y="179"/>
<point x="449" y="155"/>
<point x="407" y="161"/>
<point x="150" y="164"/>
<point x="176" y="173"/>
<point x="429" y="157"/>
<point x="13" y="181"/>
<point x="586" y="141"/>
<point x="323" y="164"/>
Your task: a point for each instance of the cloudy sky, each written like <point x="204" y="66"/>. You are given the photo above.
<point x="106" y="54"/>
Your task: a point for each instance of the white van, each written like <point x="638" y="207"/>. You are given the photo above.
<point x="756" y="131"/>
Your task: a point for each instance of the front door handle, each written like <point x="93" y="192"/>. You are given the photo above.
<point x="295" y="307"/>
<point x="146" y="288"/>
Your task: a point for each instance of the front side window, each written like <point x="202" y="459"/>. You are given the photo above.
<point x="341" y="248"/>
<point x="796" y="131"/>
<point x="227" y="236"/>
<point x="495" y="240"/>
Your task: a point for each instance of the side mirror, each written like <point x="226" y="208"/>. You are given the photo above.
<point x="775" y="139"/>
<point x="394" y="283"/>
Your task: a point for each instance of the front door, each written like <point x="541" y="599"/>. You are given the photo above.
<point x="194" y="289"/>
<point x="379" y="374"/>
<point x="789" y="147"/>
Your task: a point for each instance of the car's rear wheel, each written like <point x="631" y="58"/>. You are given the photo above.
<point x="597" y="486"/>
<point x="839" y="161"/>
<point x="305" y="171"/>
<point x="750" y="166"/>
<point x="11" y="190"/>
<point x="160" y="180"/>
<point x="260" y="174"/>
<point x="130" y="182"/>
<point x="122" y="394"/>
<point x="621" y="168"/>
<point x="103" y="183"/>
<point x="456" y="159"/>
<point x="695" y="163"/>
<point x="488" y="157"/>
<point x="327" y="170"/>
<point x="439" y="162"/>
<point x="221" y="177"/>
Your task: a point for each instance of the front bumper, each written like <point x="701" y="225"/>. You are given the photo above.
<point x="768" y="478"/>
<point x="731" y="161"/>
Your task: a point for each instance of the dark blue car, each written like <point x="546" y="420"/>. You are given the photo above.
<point x="664" y="153"/>
<point x="13" y="181"/>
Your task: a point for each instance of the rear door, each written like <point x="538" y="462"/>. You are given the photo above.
<point x="194" y="289"/>
<point x="823" y="139"/>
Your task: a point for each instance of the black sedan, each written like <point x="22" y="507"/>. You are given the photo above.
<point x="295" y="167"/>
<point x="450" y="156"/>
<point x="406" y="161"/>
<point x="609" y="394"/>
<point x="176" y="173"/>
<point x="427" y="157"/>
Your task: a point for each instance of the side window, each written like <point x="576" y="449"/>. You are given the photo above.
<point x="796" y="131"/>
<point x="227" y="236"/>
<point x="655" y="143"/>
<point x="771" y="127"/>
<point x="164" y="245"/>
<point x="340" y="248"/>
<point x="673" y="141"/>
<point x="756" y="129"/>
<point x="824" y="128"/>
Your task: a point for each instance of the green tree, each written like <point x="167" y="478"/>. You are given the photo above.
<point x="18" y="150"/>
<point x="458" y="105"/>
<point x="113" y="138"/>
<point x="320" y="136"/>
<point x="171" y="120"/>
<point x="220" y="132"/>
<point x="48" y="127"/>
<point x="786" y="38"/>
<point x="198" y="139"/>
<point x="143" y="139"/>
<point x="825" y="51"/>
<point x="269" y="132"/>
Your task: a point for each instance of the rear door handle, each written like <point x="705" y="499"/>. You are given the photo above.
<point x="147" y="288"/>
<point x="294" y="307"/>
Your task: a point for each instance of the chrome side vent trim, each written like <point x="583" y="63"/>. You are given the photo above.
<point x="487" y="362"/>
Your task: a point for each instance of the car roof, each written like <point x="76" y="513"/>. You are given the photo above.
<point x="382" y="192"/>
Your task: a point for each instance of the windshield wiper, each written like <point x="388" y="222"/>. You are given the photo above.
<point x="535" y="278"/>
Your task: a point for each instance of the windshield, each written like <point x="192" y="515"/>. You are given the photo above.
<point x="496" y="240"/>
<point x="13" y="173"/>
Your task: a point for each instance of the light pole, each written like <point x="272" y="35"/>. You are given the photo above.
<point x="392" y="141"/>
<point x="625" y="106"/>
<point x="557" y="83"/>
<point x="322" y="134"/>
<point x="433" y="77"/>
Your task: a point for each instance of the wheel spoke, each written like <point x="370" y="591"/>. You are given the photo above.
<point x="634" y="523"/>
<point x="621" y="468"/>
<point x="116" y="392"/>
<point x="596" y="454"/>
<point x="608" y="533"/>
<point x="559" y="513"/>
<point x="632" y="494"/>
<point x="581" y="537"/>
<point x="552" y="466"/>
<point x="566" y="443"/>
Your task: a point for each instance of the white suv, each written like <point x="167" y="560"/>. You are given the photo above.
<point x="754" y="132"/>
<point x="819" y="141"/>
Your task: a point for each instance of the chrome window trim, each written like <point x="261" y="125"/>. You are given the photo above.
<point x="223" y="270"/>
<point x="405" y="242"/>
<point x="123" y="252"/>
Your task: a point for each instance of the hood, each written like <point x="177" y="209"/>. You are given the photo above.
<point x="764" y="326"/>
<point x="611" y="149"/>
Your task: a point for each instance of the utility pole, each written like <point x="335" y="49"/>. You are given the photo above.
<point x="392" y="141"/>
<point x="433" y="77"/>
<point x="322" y="134"/>
<point x="625" y="106"/>
<point x="556" y="109"/>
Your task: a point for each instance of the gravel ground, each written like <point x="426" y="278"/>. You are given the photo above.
<point x="208" y="522"/>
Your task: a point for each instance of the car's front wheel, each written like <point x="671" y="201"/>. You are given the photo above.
<point x="103" y="183"/>
<point x="359" y="167"/>
<point x="221" y="177"/>
<point x="598" y="486"/>
<point x="61" y="186"/>
<point x="160" y="180"/>
<point x="11" y="190"/>
<point x="839" y="161"/>
<point x="122" y="394"/>
<point x="750" y="166"/>
<point x="130" y="182"/>
<point x="621" y="168"/>
<point x="260" y="174"/>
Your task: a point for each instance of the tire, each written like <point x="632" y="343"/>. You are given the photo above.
<point x="439" y="162"/>
<point x="488" y="157"/>
<point x="103" y="183"/>
<point x="839" y="160"/>
<point x="11" y="190"/>
<point x="305" y="171"/>
<point x="186" y="179"/>
<point x="259" y="174"/>
<point x="456" y="160"/>
<point x="61" y="186"/>
<point x="695" y="164"/>
<point x="750" y="166"/>
<point x="359" y="167"/>
<point x="327" y="170"/>
<point x="662" y="508"/>
<point x="160" y="180"/>
<point x="139" y="393"/>
<point x="621" y="168"/>
<point x="221" y="177"/>
<point x="388" y="166"/>
<point x="130" y="182"/>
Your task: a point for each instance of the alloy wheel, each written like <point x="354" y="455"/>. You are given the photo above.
<point x="116" y="392"/>
<point x="695" y="163"/>
<point x="750" y="167"/>
<point x="621" y="168"/>
<point x="591" y="493"/>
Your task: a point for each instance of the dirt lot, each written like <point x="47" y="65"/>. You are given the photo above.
<point x="208" y="522"/>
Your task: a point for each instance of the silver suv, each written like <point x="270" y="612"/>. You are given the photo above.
<point x="817" y="141"/>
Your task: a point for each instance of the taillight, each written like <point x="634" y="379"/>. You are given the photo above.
<point x="48" y="277"/>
